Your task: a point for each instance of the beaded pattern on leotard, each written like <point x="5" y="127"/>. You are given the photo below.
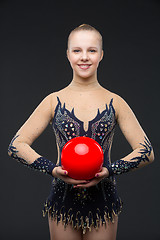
<point x="41" y="164"/>
<point x="101" y="201"/>
<point x="122" y="166"/>
<point x="67" y="126"/>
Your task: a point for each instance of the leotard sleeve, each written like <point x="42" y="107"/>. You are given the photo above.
<point x="20" y="146"/>
<point x="142" y="153"/>
<point x="123" y="166"/>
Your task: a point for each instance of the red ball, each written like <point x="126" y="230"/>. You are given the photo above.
<point x="82" y="157"/>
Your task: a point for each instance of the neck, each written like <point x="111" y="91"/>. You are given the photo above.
<point x="84" y="84"/>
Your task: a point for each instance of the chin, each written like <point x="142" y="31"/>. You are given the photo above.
<point x="84" y="76"/>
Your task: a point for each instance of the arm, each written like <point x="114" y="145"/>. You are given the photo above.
<point x="20" y="146"/>
<point x="142" y="153"/>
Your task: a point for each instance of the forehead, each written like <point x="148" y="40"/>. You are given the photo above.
<point x="84" y="39"/>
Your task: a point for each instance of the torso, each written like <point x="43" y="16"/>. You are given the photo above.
<point x="85" y="104"/>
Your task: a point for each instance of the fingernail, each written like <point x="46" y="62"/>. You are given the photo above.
<point x="65" y="172"/>
<point x="97" y="175"/>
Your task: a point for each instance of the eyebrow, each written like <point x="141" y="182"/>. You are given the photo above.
<point x="80" y="47"/>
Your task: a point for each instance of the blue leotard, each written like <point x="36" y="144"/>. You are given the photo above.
<point x="84" y="207"/>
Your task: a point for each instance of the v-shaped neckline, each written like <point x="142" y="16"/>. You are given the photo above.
<point x="72" y="114"/>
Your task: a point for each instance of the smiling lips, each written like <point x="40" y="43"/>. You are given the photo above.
<point x="84" y="66"/>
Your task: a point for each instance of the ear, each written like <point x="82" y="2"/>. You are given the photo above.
<point x="67" y="53"/>
<point x="102" y="55"/>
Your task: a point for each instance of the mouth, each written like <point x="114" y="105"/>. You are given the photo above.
<point x="84" y="66"/>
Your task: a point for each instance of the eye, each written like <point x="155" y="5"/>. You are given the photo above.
<point x="92" y="50"/>
<point x="76" y="50"/>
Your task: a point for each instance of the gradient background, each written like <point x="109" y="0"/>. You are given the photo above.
<point x="33" y="63"/>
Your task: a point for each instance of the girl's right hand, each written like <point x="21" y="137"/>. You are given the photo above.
<point x="58" y="172"/>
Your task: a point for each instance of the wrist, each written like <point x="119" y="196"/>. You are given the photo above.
<point x="54" y="171"/>
<point x="44" y="165"/>
<point x="107" y="172"/>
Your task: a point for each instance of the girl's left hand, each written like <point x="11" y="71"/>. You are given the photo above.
<point x="98" y="177"/>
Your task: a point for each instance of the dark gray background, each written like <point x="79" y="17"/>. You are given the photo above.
<point x="33" y="38"/>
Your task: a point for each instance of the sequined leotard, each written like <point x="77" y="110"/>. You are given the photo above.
<point x="84" y="207"/>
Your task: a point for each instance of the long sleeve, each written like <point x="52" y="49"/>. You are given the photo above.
<point x="142" y="153"/>
<point x="42" y="164"/>
<point x="20" y="146"/>
<point x="141" y="156"/>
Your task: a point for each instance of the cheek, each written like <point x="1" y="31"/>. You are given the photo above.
<point x="95" y="60"/>
<point x="73" y="60"/>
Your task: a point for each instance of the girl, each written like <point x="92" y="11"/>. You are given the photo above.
<point x="81" y="209"/>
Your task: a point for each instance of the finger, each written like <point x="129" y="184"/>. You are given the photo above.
<point x="100" y="174"/>
<point x="73" y="181"/>
<point x="79" y="181"/>
<point x="89" y="184"/>
<point x="83" y="186"/>
<point x="62" y="172"/>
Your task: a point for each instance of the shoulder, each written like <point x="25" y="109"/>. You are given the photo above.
<point x="48" y="99"/>
<point x="119" y="103"/>
<point x="53" y="100"/>
<point x="118" y="100"/>
<point x="123" y="111"/>
<point x="54" y="97"/>
<point x="48" y="102"/>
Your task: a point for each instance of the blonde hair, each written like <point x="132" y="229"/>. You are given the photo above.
<point x="86" y="27"/>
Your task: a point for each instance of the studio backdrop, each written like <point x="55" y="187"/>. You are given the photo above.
<point x="33" y="64"/>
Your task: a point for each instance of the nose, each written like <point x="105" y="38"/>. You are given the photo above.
<point x="84" y="56"/>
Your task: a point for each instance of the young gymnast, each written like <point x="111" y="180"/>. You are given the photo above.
<point x="83" y="209"/>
